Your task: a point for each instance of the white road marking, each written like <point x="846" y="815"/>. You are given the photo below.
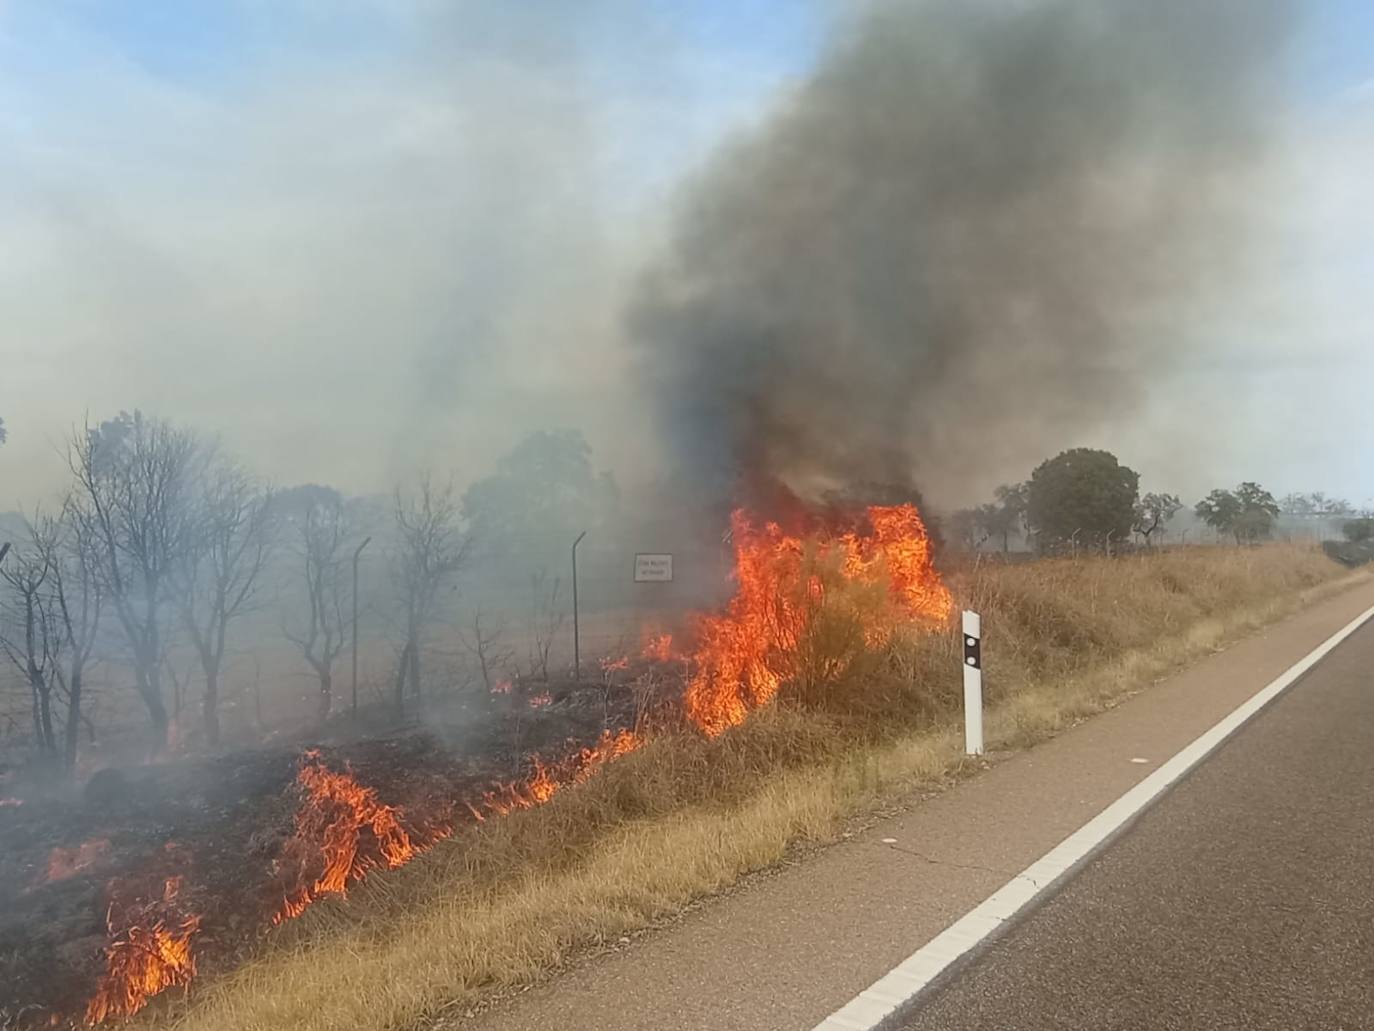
<point x="867" y="1010"/>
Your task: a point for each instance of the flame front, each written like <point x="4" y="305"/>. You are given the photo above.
<point x="342" y="827"/>
<point x="744" y="656"/>
<point x="144" y="957"/>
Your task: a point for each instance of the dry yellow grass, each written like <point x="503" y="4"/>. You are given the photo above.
<point x="685" y="817"/>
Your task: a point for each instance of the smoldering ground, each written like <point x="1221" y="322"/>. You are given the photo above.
<point x="960" y="245"/>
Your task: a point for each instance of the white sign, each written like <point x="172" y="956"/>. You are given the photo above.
<point x="653" y="568"/>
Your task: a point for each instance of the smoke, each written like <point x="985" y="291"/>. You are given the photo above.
<point x="963" y="244"/>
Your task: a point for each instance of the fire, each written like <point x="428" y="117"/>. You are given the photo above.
<point x="744" y="657"/>
<point x="659" y="648"/>
<point x="68" y="862"/>
<point x="504" y="687"/>
<point x="344" y="832"/>
<point x="549" y="779"/>
<point x="615" y="664"/>
<point x="145" y="956"/>
<point x="540" y="700"/>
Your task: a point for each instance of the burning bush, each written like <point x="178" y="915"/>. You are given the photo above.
<point x="811" y="610"/>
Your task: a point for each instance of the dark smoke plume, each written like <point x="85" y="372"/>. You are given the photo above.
<point x="941" y="258"/>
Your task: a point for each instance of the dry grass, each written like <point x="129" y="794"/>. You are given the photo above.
<point x="685" y="816"/>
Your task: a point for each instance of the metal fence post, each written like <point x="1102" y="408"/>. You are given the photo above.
<point x="577" y="636"/>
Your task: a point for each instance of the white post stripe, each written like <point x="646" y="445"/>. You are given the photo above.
<point x="913" y="975"/>
<point x="973" y="684"/>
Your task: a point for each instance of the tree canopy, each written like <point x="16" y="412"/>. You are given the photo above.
<point x="1084" y="496"/>
<point x="1247" y="513"/>
<point x="1154" y="510"/>
<point x="544" y="492"/>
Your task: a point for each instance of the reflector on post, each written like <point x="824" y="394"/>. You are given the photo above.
<point x="973" y="683"/>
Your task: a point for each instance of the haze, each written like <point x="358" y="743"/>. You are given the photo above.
<point x="356" y="240"/>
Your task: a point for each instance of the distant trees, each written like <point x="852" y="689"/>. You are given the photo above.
<point x="430" y="548"/>
<point x="1247" y="513"/>
<point x="3" y="435"/>
<point x="543" y="493"/>
<point x="227" y="547"/>
<point x="55" y="601"/>
<point x="33" y="648"/>
<point x="320" y="532"/>
<point x="994" y="521"/>
<point x="1152" y="512"/>
<point x="134" y="478"/>
<point x="77" y="601"/>
<point x="1082" y="496"/>
<point x="1314" y="504"/>
<point x="1358" y="530"/>
<point x="964" y="527"/>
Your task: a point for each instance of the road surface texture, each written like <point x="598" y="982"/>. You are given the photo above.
<point x="798" y="943"/>
<point x="1244" y="899"/>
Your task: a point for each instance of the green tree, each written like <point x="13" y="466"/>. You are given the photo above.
<point x="963" y="527"/>
<point x="995" y="520"/>
<point x="1152" y="511"/>
<point x="1358" y="530"/>
<point x="1014" y="499"/>
<point x="1083" y="496"/>
<point x="542" y="495"/>
<point x="1247" y="513"/>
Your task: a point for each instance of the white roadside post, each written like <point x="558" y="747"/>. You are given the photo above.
<point x="973" y="683"/>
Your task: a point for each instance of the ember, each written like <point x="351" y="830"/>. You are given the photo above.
<point x="540" y="700"/>
<point x="68" y="862"/>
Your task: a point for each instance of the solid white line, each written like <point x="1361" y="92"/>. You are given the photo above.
<point x="867" y="1010"/>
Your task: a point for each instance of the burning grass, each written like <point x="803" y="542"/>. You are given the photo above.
<point x="687" y="813"/>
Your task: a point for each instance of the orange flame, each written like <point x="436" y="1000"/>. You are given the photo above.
<point x="548" y="780"/>
<point x="342" y="826"/>
<point x="614" y="665"/>
<point x="745" y="656"/>
<point x="143" y="960"/>
<point x="659" y="648"/>
<point x="540" y="700"/>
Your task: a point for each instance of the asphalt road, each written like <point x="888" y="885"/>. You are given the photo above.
<point x="1243" y="900"/>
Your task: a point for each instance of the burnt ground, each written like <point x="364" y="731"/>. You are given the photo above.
<point x="220" y="823"/>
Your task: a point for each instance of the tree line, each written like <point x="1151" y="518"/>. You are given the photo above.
<point x="1085" y="498"/>
<point x="161" y="540"/>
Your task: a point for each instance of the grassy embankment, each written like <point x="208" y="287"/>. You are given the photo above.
<point x="686" y="816"/>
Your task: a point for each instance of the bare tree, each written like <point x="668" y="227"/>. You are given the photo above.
<point x="487" y="645"/>
<point x="76" y="601"/>
<point x="546" y="620"/>
<point x="429" y="550"/>
<point x="34" y="648"/>
<point x="320" y="538"/>
<point x="134" y="477"/>
<point x="221" y="572"/>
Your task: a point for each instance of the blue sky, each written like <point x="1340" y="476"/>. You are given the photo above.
<point x="184" y="187"/>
